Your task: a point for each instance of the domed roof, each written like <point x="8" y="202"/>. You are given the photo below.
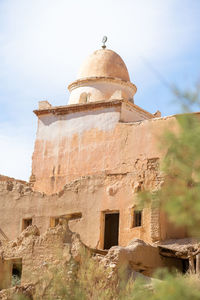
<point x="104" y="63"/>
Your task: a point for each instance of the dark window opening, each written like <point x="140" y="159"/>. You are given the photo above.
<point x="137" y="218"/>
<point x="26" y="223"/>
<point x="16" y="273"/>
<point x="56" y="222"/>
<point x="185" y="265"/>
<point x="111" y="231"/>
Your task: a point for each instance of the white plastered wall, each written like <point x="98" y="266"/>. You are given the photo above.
<point x="98" y="91"/>
<point x="54" y="127"/>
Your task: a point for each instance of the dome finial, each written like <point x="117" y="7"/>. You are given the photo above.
<point x="104" y="40"/>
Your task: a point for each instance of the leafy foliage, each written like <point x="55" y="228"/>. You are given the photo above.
<point x="180" y="195"/>
<point x="91" y="282"/>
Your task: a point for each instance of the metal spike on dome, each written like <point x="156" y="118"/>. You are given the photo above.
<point x="104" y="40"/>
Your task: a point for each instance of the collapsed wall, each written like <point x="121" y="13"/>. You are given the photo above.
<point x="38" y="256"/>
<point x="86" y="202"/>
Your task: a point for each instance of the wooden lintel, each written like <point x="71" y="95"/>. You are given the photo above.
<point x="173" y="254"/>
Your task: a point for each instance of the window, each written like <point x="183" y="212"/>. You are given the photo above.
<point x="54" y="221"/>
<point x="16" y="272"/>
<point x="26" y="223"/>
<point x="83" y="98"/>
<point x="137" y="218"/>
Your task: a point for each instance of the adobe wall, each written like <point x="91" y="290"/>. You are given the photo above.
<point x="91" y="170"/>
<point x="38" y="253"/>
<point x="5" y="274"/>
<point x="72" y="145"/>
<point x="91" y="196"/>
<point x="57" y="254"/>
<point x="69" y="146"/>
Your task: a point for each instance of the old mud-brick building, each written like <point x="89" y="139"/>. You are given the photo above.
<point x="91" y="158"/>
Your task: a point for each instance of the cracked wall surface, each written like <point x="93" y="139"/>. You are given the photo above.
<point x="90" y="197"/>
<point x="93" y="168"/>
<point x="77" y="144"/>
<point x="42" y="255"/>
<point x="38" y="253"/>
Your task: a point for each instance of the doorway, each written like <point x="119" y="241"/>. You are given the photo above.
<point x="16" y="272"/>
<point x="111" y="230"/>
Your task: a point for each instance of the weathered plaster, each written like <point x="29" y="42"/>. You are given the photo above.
<point x="70" y="145"/>
<point x="100" y="89"/>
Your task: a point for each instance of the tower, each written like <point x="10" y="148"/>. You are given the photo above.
<point x="71" y="137"/>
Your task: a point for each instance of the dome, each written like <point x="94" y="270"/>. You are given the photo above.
<point x="102" y="77"/>
<point x="104" y="63"/>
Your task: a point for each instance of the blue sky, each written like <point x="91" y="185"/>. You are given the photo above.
<point x="44" y="42"/>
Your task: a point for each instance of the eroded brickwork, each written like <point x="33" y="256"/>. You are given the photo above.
<point x="60" y="249"/>
<point x="89" y="197"/>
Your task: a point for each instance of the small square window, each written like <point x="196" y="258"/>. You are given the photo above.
<point x="26" y="223"/>
<point x="137" y="218"/>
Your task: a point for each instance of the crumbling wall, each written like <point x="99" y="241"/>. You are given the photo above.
<point x="38" y="252"/>
<point x="5" y="273"/>
<point x="90" y="197"/>
<point x="58" y="248"/>
<point x="26" y="291"/>
<point x="140" y="257"/>
<point x="69" y="146"/>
